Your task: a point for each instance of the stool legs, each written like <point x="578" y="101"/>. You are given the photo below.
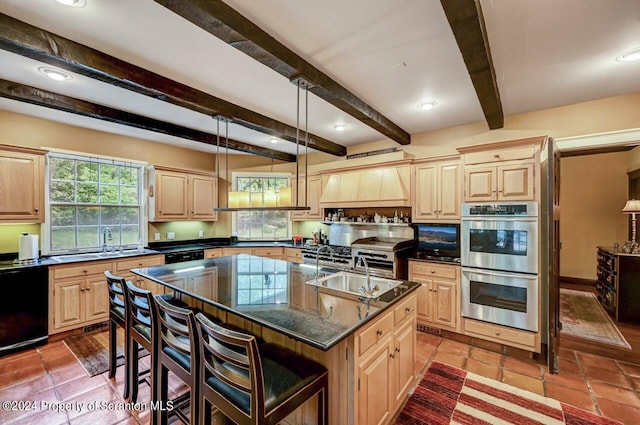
<point x="113" y="357"/>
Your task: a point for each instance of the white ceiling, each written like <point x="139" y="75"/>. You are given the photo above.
<point x="393" y="54"/>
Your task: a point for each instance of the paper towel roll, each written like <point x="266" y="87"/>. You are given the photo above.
<point x="28" y="247"/>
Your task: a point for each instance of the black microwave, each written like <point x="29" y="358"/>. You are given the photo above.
<point x="437" y="239"/>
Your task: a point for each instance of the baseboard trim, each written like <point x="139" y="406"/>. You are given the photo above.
<point x="577" y="281"/>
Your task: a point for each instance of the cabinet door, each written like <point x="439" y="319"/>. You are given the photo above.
<point x="425" y="193"/>
<point x="443" y="295"/>
<point x="67" y="303"/>
<point x="171" y="196"/>
<point x="404" y="360"/>
<point x="96" y="298"/>
<point x="375" y="387"/>
<point x="424" y="305"/>
<point x="21" y="183"/>
<point x="449" y="187"/>
<point x="298" y="189"/>
<point x="204" y="197"/>
<point x="480" y="184"/>
<point x="205" y="284"/>
<point x="315" y="191"/>
<point x="515" y="182"/>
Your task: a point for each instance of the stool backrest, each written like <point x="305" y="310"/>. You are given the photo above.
<point x="140" y="307"/>
<point x="175" y="328"/>
<point x="234" y="359"/>
<point x="116" y="287"/>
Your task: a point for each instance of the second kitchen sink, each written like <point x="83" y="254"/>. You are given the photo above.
<point x="356" y="284"/>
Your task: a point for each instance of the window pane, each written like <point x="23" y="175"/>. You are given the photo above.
<point x="88" y="193"/>
<point x="109" y="173"/>
<point x="63" y="238"/>
<point x="129" y="194"/>
<point x="88" y="216"/>
<point x="62" y="169"/>
<point x="63" y="216"/>
<point x="130" y="215"/>
<point x="88" y="237"/>
<point x="62" y="192"/>
<point x="110" y="216"/>
<point x="130" y="235"/>
<point x="108" y="194"/>
<point x="87" y="172"/>
<point x="129" y="176"/>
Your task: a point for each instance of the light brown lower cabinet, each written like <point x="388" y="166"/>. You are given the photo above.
<point x="123" y="267"/>
<point x="385" y="364"/>
<point x="269" y="252"/>
<point x="293" y="255"/>
<point x="438" y="295"/>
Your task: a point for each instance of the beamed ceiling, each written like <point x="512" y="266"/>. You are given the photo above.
<point x="173" y="71"/>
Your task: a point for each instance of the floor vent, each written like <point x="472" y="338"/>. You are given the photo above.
<point x="428" y="329"/>
<point x="95" y="327"/>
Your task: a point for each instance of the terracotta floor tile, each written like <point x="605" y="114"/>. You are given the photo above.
<point x="598" y="361"/>
<point x="570" y="396"/>
<point x="44" y="398"/>
<point x="575" y="382"/>
<point x="626" y="414"/>
<point x="75" y="387"/>
<point x="486" y="356"/>
<point x="524" y="382"/>
<point x="613" y="393"/>
<point x="102" y="394"/>
<point x="567" y="366"/>
<point x="26" y="390"/>
<point x="565" y="353"/>
<point x="454" y="347"/>
<point x="450" y="359"/>
<point x="43" y="417"/>
<point x="483" y="369"/>
<point x="429" y="339"/>
<point x="522" y="367"/>
<point x="635" y="381"/>
<point x="593" y="373"/>
<point x="67" y="373"/>
<point x="630" y="368"/>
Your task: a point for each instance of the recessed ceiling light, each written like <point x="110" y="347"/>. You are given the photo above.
<point x="340" y="127"/>
<point x="631" y="56"/>
<point x="73" y="3"/>
<point x="274" y="141"/>
<point x="426" y="106"/>
<point x="55" y="74"/>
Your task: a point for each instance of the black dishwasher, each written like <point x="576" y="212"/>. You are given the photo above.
<point x="24" y="293"/>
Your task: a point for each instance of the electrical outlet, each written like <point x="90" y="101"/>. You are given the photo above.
<point x="156" y="236"/>
<point x="171" y="235"/>
<point x="201" y="233"/>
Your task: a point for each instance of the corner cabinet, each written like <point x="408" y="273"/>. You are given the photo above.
<point x="176" y="195"/>
<point x="436" y="191"/>
<point x="438" y="295"/>
<point x="385" y="364"/>
<point x="21" y="185"/>
<point x="314" y="185"/>
<point x="504" y="171"/>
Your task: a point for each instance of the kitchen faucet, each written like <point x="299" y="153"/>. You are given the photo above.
<point x="106" y="231"/>
<point x="320" y="249"/>
<point x="367" y="290"/>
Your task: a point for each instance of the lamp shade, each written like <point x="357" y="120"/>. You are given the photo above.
<point x="632" y="206"/>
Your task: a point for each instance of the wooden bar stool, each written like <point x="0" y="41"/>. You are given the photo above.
<point x="117" y="317"/>
<point x="175" y="349"/>
<point x="254" y="385"/>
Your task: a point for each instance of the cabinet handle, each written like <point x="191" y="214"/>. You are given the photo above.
<point x="407" y="309"/>
<point x="37" y="209"/>
<point x="82" y="287"/>
<point x="498" y="333"/>
<point x="499" y="190"/>
<point x="84" y="270"/>
<point x="435" y="290"/>
<point x="379" y="332"/>
<point x="433" y="271"/>
<point x="493" y="191"/>
<point x="397" y="349"/>
<point x="496" y="156"/>
<point x="139" y="264"/>
<point x="392" y="355"/>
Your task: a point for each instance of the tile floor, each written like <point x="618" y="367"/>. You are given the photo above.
<point x="51" y="374"/>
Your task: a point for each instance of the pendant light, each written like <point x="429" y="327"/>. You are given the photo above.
<point x="240" y="200"/>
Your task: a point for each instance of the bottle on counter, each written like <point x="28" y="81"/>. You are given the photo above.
<point x="395" y="217"/>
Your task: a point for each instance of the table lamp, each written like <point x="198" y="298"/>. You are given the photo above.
<point x="632" y="207"/>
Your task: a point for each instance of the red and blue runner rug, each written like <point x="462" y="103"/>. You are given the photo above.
<point x="448" y="395"/>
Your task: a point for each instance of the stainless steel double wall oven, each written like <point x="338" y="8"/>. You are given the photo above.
<point x="499" y="259"/>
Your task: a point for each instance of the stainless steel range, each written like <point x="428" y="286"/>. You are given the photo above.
<point x="386" y="257"/>
<point x="338" y="257"/>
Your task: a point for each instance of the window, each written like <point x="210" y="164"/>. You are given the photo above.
<point x="90" y="198"/>
<point x="265" y="225"/>
<point x="261" y="281"/>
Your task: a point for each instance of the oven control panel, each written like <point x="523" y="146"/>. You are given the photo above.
<point x="527" y="209"/>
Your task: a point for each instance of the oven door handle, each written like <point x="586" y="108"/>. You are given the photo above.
<point x="501" y="218"/>
<point x="500" y="274"/>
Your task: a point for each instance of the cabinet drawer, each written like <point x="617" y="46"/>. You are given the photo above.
<point x="137" y="262"/>
<point x="407" y="308"/>
<point x="501" y="333"/>
<point x="434" y="270"/>
<point x="374" y="333"/>
<point x="268" y="252"/>
<point x="293" y="252"/>
<point x="235" y="251"/>
<point x="212" y="253"/>
<point x="527" y="152"/>
<point x="82" y="269"/>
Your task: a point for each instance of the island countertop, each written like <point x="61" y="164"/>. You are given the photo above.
<point x="273" y="293"/>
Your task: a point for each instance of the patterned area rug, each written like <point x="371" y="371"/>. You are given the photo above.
<point x="448" y="395"/>
<point x="582" y="316"/>
<point x="92" y="350"/>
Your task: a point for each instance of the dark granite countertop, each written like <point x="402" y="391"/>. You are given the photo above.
<point x="273" y="293"/>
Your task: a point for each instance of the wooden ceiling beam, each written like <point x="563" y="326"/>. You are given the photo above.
<point x="467" y="23"/>
<point x="224" y="22"/>
<point x="40" y="97"/>
<point x="32" y="42"/>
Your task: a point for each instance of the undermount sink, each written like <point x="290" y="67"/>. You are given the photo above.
<point x="95" y="255"/>
<point x="356" y="284"/>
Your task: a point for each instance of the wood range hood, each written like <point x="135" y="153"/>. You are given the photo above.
<point x="366" y="188"/>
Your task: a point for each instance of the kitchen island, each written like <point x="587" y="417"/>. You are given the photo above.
<point x="368" y="345"/>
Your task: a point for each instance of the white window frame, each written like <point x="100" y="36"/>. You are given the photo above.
<point x="45" y="232"/>
<point x="234" y="187"/>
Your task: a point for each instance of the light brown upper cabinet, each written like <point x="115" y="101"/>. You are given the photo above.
<point x="314" y="185"/>
<point x="507" y="174"/>
<point x="21" y="185"/>
<point x="436" y="191"/>
<point x="182" y="195"/>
